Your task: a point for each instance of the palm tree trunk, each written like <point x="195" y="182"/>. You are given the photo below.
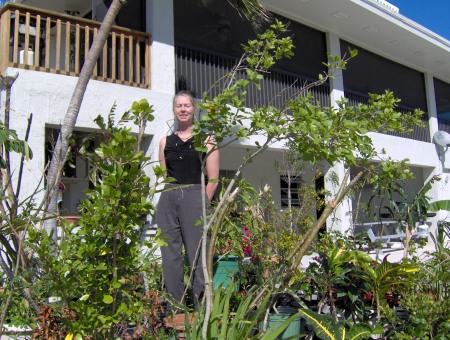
<point x="62" y="145"/>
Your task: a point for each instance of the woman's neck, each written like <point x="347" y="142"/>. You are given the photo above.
<point x="184" y="130"/>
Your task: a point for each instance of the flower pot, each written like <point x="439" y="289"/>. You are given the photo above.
<point x="72" y="219"/>
<point x="275" y="320"/>
<point x="224" y="270"/>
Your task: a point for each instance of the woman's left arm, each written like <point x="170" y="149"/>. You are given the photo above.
<point x="212" y="168"/>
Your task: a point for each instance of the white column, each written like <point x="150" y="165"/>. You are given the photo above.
<point x="336" y="83"/>
<point x="440" y="189"/>
<point x="431" y="104"/>
<point x="341" y="218"/>
<point x="161" y="26"/>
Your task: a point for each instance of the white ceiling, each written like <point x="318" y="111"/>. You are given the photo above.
<point x="81" y="6"/>
<point x="374" y="28"/>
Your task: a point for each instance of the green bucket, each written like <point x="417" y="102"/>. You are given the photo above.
<point x="224" y="270"/>
<point x="292" y="330"/>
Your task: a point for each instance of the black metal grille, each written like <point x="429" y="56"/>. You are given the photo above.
<point x="418" y="133"/>
<point x="197" y="71"/>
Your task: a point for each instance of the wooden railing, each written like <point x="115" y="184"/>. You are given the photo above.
<point x="59" y="43"/>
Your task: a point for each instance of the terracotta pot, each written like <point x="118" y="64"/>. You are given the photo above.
<point x="71" y="219"/>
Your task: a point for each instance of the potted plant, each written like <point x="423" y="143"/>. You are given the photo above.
<point x="233" y="244"/>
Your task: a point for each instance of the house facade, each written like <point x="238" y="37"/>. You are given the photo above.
<point x="161" y="46"/>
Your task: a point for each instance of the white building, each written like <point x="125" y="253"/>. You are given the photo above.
<point x="161" y="46"/>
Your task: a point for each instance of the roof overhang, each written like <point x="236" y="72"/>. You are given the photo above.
<point x="76" y="7"/>
<point x="375" y="27"/>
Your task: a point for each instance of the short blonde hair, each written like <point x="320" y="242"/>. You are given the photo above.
<point x="184" y="94"/>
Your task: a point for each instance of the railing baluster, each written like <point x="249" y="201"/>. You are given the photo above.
<point x="77" y="49"/>
<point x="5" y="31"/>
<point x="37" y="42"/>
<point x="95" y="73"/>
<point x="114" y="55"/>
<point x="58" y="46"/>
<point x="67" y="48"/>
<point x="47" y="42"/>
<point x="87" y="34"/>
<point x="122" y="58"/>
<point x="16" y="37"/>
<point x="137" y="62"/>
<point x="26" y="46"/>
<point x="130" y="59"/>
<point x="147" y="80"/>
<point x="105" y="60"/>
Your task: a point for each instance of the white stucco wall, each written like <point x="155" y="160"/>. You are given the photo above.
<point x="47" y="97"/>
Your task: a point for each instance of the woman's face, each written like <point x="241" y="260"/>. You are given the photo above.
<point x="184" y="110"/>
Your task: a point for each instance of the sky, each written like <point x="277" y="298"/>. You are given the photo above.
<point x="432" y="14"/>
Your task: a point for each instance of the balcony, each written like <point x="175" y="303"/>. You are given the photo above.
<point x="46" y="41"/>
<point x="198" y="71"/>
<point x="444" y="124"/>
<point x="418" y="133"/>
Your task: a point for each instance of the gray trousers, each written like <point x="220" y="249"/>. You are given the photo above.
<point x="178" y="214"/>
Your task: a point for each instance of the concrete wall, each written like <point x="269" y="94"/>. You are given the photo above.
<point x="47" y="96"/>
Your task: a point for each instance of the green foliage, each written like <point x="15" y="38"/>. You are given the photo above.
<point x="236" y="322"/>
<point x="234" y="235"/>
<point x="226" y="113"/>
<point x="426" y="294"/>
<point x="336" y="275"/>
<point x="439" y="205"/>
<point x="10" y="142"/>
<point x="97" y="267"/>
<point x="315" y="133"/>
<point x="140" y="111"/>
<point x="385" y="276"/>
<point x="327" y="329"/>
<point x="340" y="134"/>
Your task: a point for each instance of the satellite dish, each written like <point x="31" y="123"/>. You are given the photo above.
<point x="442" y="138"/>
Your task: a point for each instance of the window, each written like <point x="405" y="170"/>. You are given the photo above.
<point x="76" y="170"/>
<point x="290" y="191"/>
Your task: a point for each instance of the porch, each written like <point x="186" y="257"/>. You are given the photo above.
<point x="59" y="43"/>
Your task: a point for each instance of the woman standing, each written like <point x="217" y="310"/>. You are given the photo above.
<point x="180" y="209"/>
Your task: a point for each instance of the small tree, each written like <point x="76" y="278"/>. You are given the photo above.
<point x="96" y="268"/>
<point x="16" y="216"/>
<point x="330" y="134"/>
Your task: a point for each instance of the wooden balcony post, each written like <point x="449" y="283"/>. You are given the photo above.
<point x="5" y="22"/>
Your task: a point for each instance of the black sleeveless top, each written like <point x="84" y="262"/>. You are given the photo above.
<point x="183" y="162"/>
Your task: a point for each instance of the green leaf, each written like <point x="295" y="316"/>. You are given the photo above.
<point x="439" y="205"/>
<point x="108" y="299"/>
<point x="84" y="297"/>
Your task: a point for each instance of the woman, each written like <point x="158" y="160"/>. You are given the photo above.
<point x="179" y="210"/>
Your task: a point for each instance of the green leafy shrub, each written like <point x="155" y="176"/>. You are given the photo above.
<point x="96" y="270"/>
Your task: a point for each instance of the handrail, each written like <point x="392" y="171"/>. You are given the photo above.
<point x="58" y="43"/>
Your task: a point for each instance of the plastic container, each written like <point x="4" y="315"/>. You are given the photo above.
<point x="225" y="269"/>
